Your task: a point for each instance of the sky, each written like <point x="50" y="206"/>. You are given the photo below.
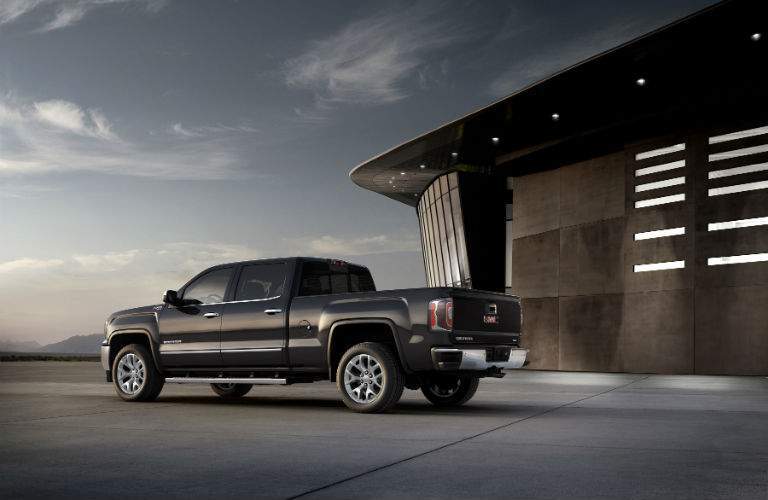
<point x="142" y="141"/>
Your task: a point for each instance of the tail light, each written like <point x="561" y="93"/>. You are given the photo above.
<point x="441" y="315"/>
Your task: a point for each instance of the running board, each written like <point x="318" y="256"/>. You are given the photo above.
<point x="223" y="380"/>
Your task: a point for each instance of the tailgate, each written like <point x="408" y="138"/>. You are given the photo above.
<point x="485" y="317"/>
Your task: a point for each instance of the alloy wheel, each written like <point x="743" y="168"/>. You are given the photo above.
<point x="363" y="378"/>
<point x="131" y="373"/>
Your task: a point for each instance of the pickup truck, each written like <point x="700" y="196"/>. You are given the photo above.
<point x="293" y="320"/>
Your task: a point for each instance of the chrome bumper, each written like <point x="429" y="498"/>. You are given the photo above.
<point x="474" y="359"/>
<point x="105" y="357"/>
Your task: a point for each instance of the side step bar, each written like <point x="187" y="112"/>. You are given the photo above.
<point x="222" y="380"/>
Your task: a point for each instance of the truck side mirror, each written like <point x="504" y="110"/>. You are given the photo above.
<point x="171" y="297"/>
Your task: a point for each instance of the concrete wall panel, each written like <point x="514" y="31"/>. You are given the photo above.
<point x="592" y="258"/>
<point x="732" y="330"/>
<point x="592" y="191"/>
<point x="658" y="332"/>
<point x="536" y="205"/>
<point x="590" y="331"/>
<point x="535" y="269"/>
<point x="540" y="333"/>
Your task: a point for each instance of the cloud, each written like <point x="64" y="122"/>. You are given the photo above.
<point x="62" y="13"/>
<point x="194" y="257"/>
<point x="106" y="262"/>
<point x="70" y="117"/>
<point x="61" y="136"/>
<point x="551" y="59"/>
<point x="27" y="264"/>
<point x="65" y="16"/>
<point x="200" y="131"/>
<point x="370" y="60"/>
<point x="178" y="129"/>
<point x="332" y="246"/>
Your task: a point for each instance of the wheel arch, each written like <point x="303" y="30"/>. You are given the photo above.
<point x="122" y="338"/>
<point x="346" y="333"/>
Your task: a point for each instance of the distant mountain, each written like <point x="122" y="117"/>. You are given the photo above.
<point x="79" y="344"/>
<point x="15" y="346"/>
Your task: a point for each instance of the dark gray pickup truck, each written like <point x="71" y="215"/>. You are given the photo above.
<point x="285" y="321"/>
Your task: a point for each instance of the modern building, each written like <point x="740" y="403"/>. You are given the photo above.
<point x="625" y="199"/>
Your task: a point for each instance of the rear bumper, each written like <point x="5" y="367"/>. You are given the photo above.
<point x="452" y="358"/>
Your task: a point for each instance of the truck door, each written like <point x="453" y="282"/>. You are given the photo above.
<point x="189" y="334"/>
<point x="254" y="325"/>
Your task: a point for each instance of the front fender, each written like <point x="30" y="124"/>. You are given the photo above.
<point x="137" y="324"/>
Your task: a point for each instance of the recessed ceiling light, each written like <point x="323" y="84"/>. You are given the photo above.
<point x="640" y="82"/>
<point x="555" y="117"/>
<point x="402" y="173"/>
<point x="495" y="140"/>
<point x="454" y="154"/>
<point x="422" y="166"/>
<point x="756" y="36"/>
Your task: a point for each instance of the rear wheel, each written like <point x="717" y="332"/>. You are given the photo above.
<point x="135" y="375"/>
<point x="452" y="390"/>
<point x="369" y="378"/>
<point x="231" y="391"/>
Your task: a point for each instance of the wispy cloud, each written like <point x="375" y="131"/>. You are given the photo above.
<point x="193" y="257"/>
<point x="201" y="131"/>
<point x="57" y="14"/>
<point x="59" y="135"/>
<point x="106" y="262"/>
<point x="370" y="60"/>
<point x="27" y="264"/>
<point x="333" y="246"/>
<point x="72" y="118"/>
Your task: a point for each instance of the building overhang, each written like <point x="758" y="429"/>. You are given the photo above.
<point x="707" y="63"/>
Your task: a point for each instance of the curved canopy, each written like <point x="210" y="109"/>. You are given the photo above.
<point x="680" y="70"/>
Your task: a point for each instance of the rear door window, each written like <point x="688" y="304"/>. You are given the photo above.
<point x="261" y="281"/>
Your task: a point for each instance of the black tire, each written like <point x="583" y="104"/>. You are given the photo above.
<point x="386" y="374"/>
<point x="152" y="382"/>
<point x="231" y="391"/>
<point x="445" y="391"/>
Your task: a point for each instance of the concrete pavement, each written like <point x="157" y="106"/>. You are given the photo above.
<point x="63" y="433"/>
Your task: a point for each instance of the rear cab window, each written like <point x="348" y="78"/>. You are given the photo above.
<point x="331" y="277"/>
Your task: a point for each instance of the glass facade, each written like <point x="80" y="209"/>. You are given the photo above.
<point x="442" y="234"/>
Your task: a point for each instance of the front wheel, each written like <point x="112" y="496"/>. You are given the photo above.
<point x="231" y="391"/>
<point x="369" y="378"/>
<point x="449" y="390"/>
<point x="135" y="375"/>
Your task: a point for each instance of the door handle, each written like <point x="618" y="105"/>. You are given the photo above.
<point x="211" y="315"/>
<point x="272" y="311"/>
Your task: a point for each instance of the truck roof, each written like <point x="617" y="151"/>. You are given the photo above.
<point x="283" y="259"/>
